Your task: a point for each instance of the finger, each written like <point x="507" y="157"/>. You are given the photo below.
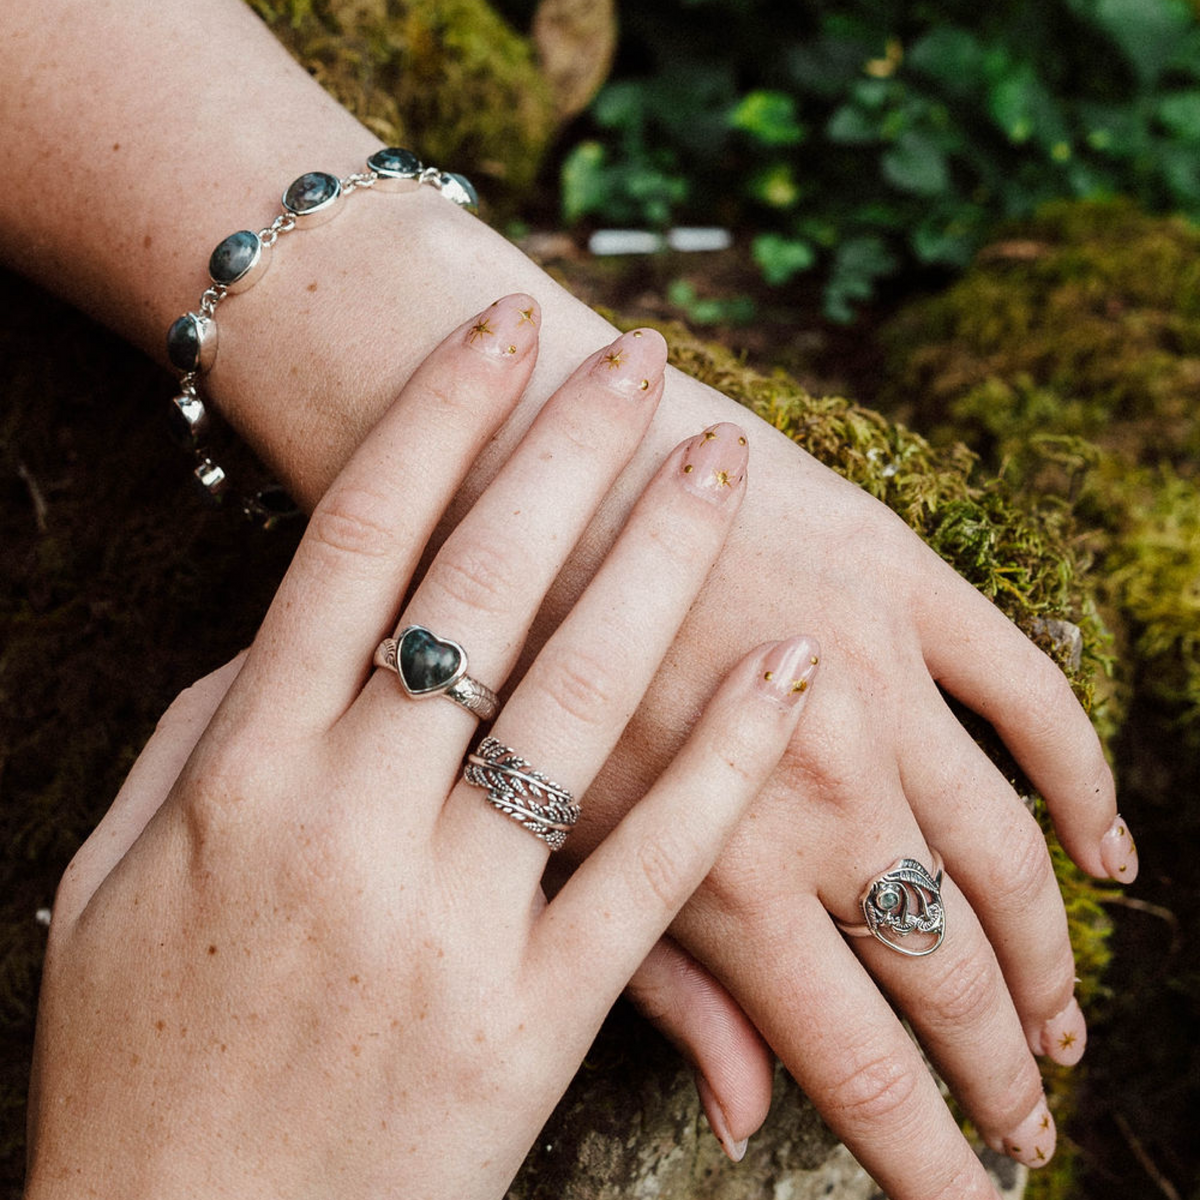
<point x="734" y="1066"/>
<point x="144" y="790"/>
<point x="956" y="1001"/>
<point x="365" y="537"/>
<point x="841" y="1041"/>
<point x="979" y="656"/>
<point x="592" y="936"/>
<point x="997" y="852"/>
<point x="586" y="682"/>
<point x="487" y="582"/>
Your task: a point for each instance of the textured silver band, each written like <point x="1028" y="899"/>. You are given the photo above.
<point x="475" y="697"/>
<point x="905" y="899"/>
<point x="545" y="808"/>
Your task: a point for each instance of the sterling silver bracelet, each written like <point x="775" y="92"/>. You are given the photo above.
<point x="238" y="263"/>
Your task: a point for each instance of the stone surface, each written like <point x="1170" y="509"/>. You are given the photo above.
<point x="233" y="257"/>
<point x="310" y="192"/>
<point x="426" y="662"/>
<point x="395" y="160"/>
<point x="183" y="343"/>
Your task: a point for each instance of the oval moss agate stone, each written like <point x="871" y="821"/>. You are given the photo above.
<point x="312" y="192"/>
<point x="396" y="162"/>
<point x="183" y="343"/>
<point x="235" y="258"/>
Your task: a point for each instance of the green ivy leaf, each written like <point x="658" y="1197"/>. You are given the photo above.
<point x="780" y="258"/>
<point x="1147" y="32"/>
<point x="584" y="182"/>
<point x="769" y="117"/>
<point x="857" y="264"/>
<point x="1180" y="113"/>
<point x="850" y="126"/>
<point x="915" y="163"/>
<point x="952" y="56"/>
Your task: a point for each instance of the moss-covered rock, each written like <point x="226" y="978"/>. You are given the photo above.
<point x="1070" y="356"/>
<point x="447" y="77"/>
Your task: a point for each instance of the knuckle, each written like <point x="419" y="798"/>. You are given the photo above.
<point x="584" y="685"/>
<point x="656" y="999"/>
<point x="1026" y="876"/>
<point x="737" y="751"/>
<point x="960" y="1178"/>
<point x="477" y="574"/>
<point x="875" y="1091"/>
<point x="349" y="523"/>
<point x="964" y="997"/>
<point x="684" y="541"/>
<point x="661" y="864"/>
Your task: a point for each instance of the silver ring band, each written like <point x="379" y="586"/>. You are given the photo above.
<point x="428" y="665"/>
<point x="905" y="899"/>
<point x="545" y="808"/>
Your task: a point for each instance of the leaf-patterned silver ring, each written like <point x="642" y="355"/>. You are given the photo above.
<point x="545" y="808"/>
<point x="905" y="900"/>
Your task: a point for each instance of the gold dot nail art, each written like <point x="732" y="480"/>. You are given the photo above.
<point x="715" y="462"/>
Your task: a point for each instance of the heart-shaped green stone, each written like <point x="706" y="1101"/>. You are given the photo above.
<point x="427" y="664"/>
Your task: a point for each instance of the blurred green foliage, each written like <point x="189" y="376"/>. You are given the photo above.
<point x="861" y="138"/>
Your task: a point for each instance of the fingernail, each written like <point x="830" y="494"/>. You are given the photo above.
<point x="506" y="329"/>
<point x="787" y="670"/>
<point x="1118" y="852"/>
<point x="1033" y="1141"/>
<point x="715" y="462"/>
<point x="1064" y="1037"/>
<point x="736" y="1151"/>
<point x="633" y="364"/>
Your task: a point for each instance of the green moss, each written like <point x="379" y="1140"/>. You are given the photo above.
<point x="447" y="77"/>
<point x="1069" y="358"/>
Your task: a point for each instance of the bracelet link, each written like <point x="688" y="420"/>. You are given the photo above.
<point x="239" y="261"/>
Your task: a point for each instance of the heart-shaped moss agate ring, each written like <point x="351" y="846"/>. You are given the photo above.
<point x="428" y="665"/>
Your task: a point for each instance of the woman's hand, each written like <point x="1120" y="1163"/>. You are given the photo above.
<point x="301" y="956"/>
<point x="316" y="351"/>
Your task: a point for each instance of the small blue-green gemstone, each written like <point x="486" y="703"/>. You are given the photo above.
<point x="310" y="191"/>
<point x="233" y="257"/>
<point x="395" y="160"/>
<point x="183" y="343"/>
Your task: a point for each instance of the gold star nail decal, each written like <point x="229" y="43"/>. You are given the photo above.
<point x="710" y="435"/>
<point x="1045" y="1121"/>
<point x="1039" y="1154"/>
<point x="481" y="329"/>
<point x="799" y="685"/>
<point x="1068" y="1039"/>
<point x="526" y="315"/>
<point x="722" y="478"/>
<point x="613" y="359"/>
